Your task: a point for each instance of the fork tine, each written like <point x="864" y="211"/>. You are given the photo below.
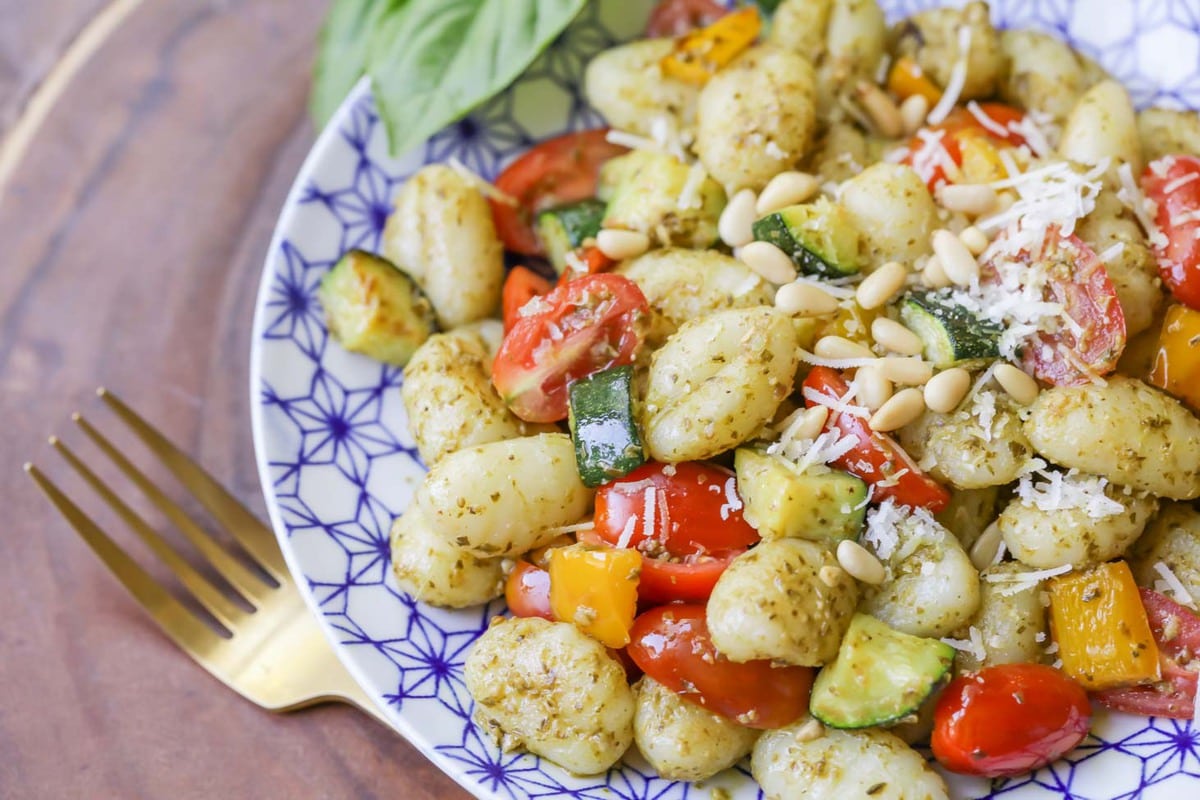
<point x="258" y="540"/>
<point x="226" y="611"/>
<point x="175" y="620"/>
<point x="249" y="585"/>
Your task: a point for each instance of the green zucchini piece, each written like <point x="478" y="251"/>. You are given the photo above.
<point x="600" y="415"/>
<point x="646" y="196"/>
<point x="373" y="308"/>
<point x="822" y="505"/>
<point x="880" y="675"/>
<point x="953" y="336"/>
<point x="820" y="237"/>
<point x="564" y="228"/>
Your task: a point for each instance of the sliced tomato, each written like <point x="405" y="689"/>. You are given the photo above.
<point x="582" y="327"/>
<point x="1178" y="219"/>
<point x="527" y="591"/>
<point x="993" y="122"/>
<point x="560" y="170"/>
<point x="593" y="260"/>
<point x="521" y="286"/>
<point x="672" y="645"/>
<point x="1095" y="339"/>
<point x="1177" y="632"/>
<point x="1008" y="720"/>
<point x="876" y="458"/>
<point x="672" y="18"/>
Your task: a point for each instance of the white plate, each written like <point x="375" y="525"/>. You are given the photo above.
<point x="337" y="463"/>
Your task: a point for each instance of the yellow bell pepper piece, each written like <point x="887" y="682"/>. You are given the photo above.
<point x="699" y="54"/>
<point x="596" y="589"/>
<point x="1177" y="362"/>
<point x="850" y="322"/>
<point x="980" y="158"/>
<point x="906" y="78"/>
<point x="1103" y="636"/>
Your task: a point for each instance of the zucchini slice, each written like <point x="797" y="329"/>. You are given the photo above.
<point x="820" y="237"/>
<point x="564" y="228"/>
<point x="953" y="336"/>
<point x="600" y="415"/>
<point x="781" y="502"/>
<point x="880" y="675"/>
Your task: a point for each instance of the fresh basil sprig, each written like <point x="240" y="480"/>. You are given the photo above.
<point x="431" y="62"/>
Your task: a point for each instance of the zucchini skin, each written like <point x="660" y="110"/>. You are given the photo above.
<point x="603" y="427"/>
<point x="564" y="228"/>
<point x="953" y="336"/>
<point x="819" y="237"/>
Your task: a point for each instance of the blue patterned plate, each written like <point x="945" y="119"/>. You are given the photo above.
<point x="337" y="463"/>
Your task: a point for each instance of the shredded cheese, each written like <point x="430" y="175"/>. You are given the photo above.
<point x="1012" y="583"/>
<point x="973" y="645"/>
<point x="627" y="532"/>
<point x="689" y="195"/>
<point x="485" y="188"/>
<point x="732" y="501"/>
<point x="840" y="405"/>
<point x="1061" y="491"/>
<point x="1172" y="585"/>
<point x="1144" y="209"/>
<point x="958" y="78"/>
<point x="836" y="363"/>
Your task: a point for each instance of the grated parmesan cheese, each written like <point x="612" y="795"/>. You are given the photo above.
<point x="732" y="501"/>
<point x="1012" y="583"/>
<point x="1060" y="491"/>
<point x="835" y="363"/>
<point x="841" y="405"/>
<point x="1144" y="209"/>
<point x="689" y="195"/>
<point x="1170" y="584"/>
<point x="958" y="78"/>
<point x="973" y="645"/>
<point x="650" y="502"/>
<point x="485" y="188"/>
<point x="627" y="532"/>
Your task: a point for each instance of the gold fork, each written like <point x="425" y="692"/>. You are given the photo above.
<point x="272" y="650"/>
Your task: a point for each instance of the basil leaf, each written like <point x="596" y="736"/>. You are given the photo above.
<point x="342" y="52"/>
<point x="433" y="61"/>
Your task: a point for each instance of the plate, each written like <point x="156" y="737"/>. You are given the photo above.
<point x="337" y="463"/>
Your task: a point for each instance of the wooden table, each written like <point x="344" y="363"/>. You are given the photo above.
<point x="162" y="137"/>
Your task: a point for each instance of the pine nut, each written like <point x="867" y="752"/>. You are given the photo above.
<point x="901" y="408"/>
<point x="737" y="219"/>
<point x="947" y="389"/>
<point x="906" y="371"/>
<point x="895" y="337"/>
<point x="768" y="261"/>
<point x="934" y="275"/>
<point x="830" y="575"/>
<point x="957" y="262"/>
<point x="812" y="422"/>
<point x="881" y="285"/>
<point x="913" y="112"/>
<point x="786" y="189"/>
<point x="860" y="562"/>
<point x="1019" y="385"/>
<point x="880" y="108"/>
<point x="805" y="300"/>
<point x="972" y="199"/>
<point x="983" y="552"/>
<point x="975" y="240"/>
<point x="811" y="730"/>
<point x="840" y="347"/>
<point x="620" y="245"/>
<point x="873" y="388"/>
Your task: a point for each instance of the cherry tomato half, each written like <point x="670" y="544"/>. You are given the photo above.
<point x="671" y="644"/>
<point x="877" y="458"/>
<point x="560" y="170"/>
<point x="1081" y="284"/>
<point x="527" y="591"/>
<point x="677" y="17"/>
<point x="1175" y="695"/>
<point x="586" y="325"/>
<point x="1179" y="220"/>
<point x="1008" y="720"/>
<point x="520" y="286"/>
<point x="954" y="133"/>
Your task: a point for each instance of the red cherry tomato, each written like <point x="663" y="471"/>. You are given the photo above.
<point x="685" y="519"/>
<point x="586" y="325"/>
<point x="1179" y="220"/>
<point x="961" y="123"/>
<point x="1175" y="695"/>
<point x="1081" y="284"/>
<point x="527" y="591"/>
<point x="877" y="458"/>
<point x="1008" y="720"/>
<point x="521" y="286"/>
<point x="557" y="171"/>
<point x="671" y="644"/>
<point x="677" y="17"/>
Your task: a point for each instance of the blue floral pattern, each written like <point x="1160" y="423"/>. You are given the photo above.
<point x="338" y="464"/>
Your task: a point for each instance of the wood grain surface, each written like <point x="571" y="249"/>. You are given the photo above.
<point x="132" y="233"/>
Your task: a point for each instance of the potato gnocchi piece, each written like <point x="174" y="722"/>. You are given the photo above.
<point x="1172" y="539"/>
<point x="505" y="498"/>
<point x="931" y="588"/>
<point x="958" y="449"/>
<point x="1125" y="431"/>
<point x="629" y="90"/>
<point x="450" y="400"/>
<point x="1168" y="131"/>
<point x="786" y="600"/>
<point x="682" y="285"/>
<point x="893" y="210"/>
<point x="1043" y="73"/>
<point x="437" y="572"/>
<point x="839" y="765"/>
<point x="551" y="689"/>
<point x="1102" y="125"/>
<point x="716" y="381"/>
<point x="854" y="43"/>
<point x="801" y="25"/>
<point x="1132" y="269"/>
<point x="756" y="117"/>
<point x="441" y="233"/>
<point x="840" y="153"/>
<point x="969" y="512"/>
<point x="932" y="39"/>
<point x="1011" y="621"/>
<point x="681" y="740"/>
